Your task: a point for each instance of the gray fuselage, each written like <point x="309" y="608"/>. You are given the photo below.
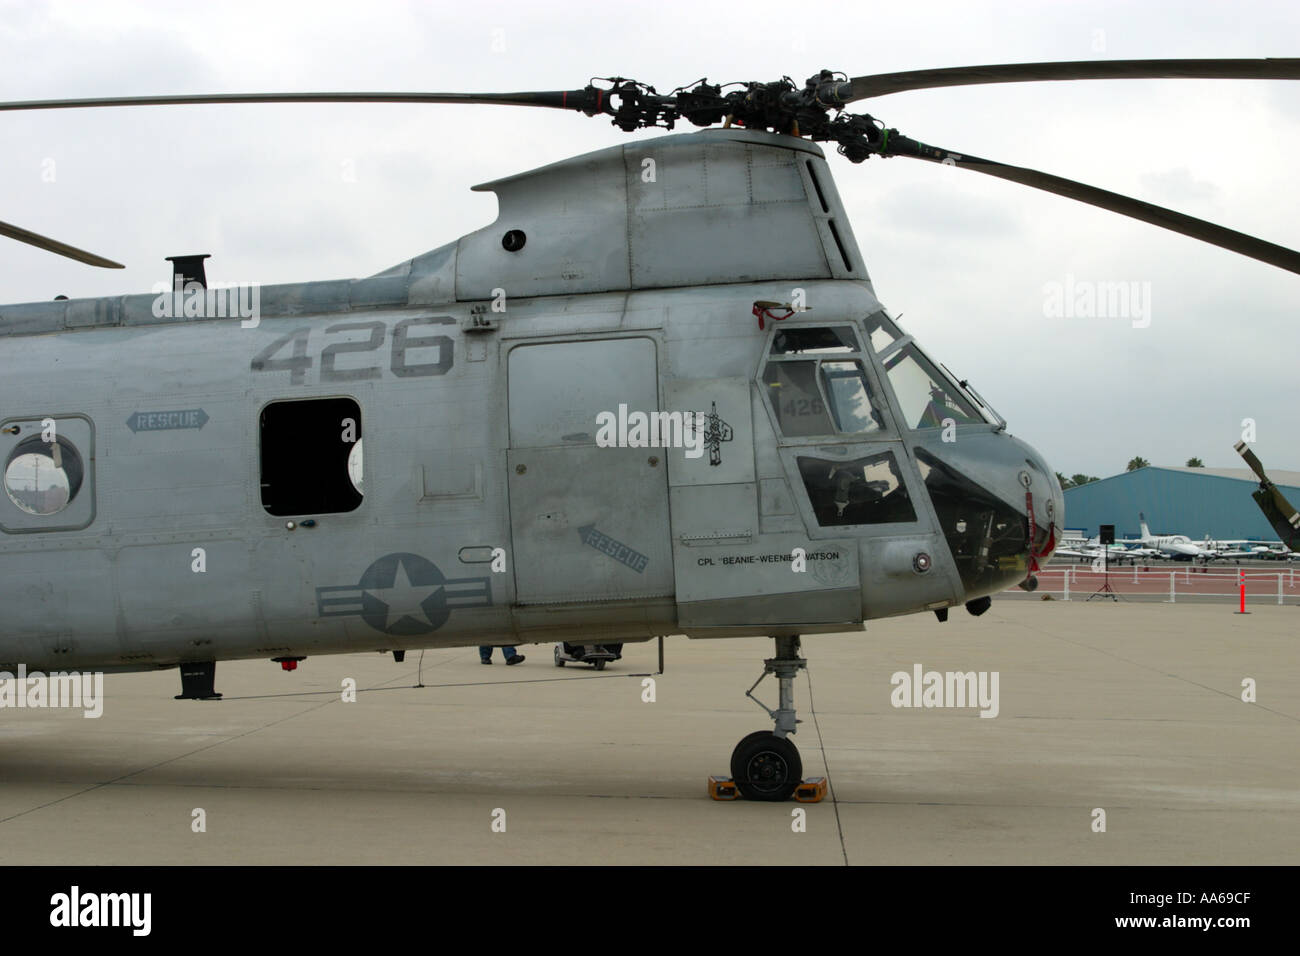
<point x="154" y="463"/>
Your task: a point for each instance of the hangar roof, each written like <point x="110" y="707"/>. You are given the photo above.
<point x="1277" y="476"/>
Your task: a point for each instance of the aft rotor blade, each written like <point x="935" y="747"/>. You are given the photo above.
<point x="556" y="99"/>
<point x="1244" y="451"/>
<point x="1274" y="255"/>
<point x="53" y="245"/>
<point x="1284" y="508"/>
<point x="880" y="84"/>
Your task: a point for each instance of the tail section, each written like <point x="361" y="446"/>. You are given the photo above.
<point x="1142" y="520"/>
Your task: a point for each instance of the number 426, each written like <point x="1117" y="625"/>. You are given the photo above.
<point x="407" y="337"/>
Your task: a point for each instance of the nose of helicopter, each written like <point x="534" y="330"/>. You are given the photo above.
<point x="999" y="506"/>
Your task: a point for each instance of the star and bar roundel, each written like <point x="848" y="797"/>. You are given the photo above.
<point x="404" y="594"/>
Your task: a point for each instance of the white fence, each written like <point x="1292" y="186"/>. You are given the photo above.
<point x="1191" y="583"/>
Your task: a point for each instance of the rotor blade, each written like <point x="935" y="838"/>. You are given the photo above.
<point x="880" y="84"/>
<point x="1280" y="512"/>
<point x="1220" y="236"/>
<point x="557" y="99"/>
<point x="1244" y="451"/>
<point x="53" y="245"/>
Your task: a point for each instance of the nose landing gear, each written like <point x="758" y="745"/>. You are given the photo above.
<point x="766" y="765"/>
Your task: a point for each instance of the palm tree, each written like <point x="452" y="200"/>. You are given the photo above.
<point x="1064" y="482"/>
<point x="1082" y="479"/>
<point x="1195" y="463"/>
<point x="1136" y="463"/>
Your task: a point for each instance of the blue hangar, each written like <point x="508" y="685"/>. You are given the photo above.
<point x="1197" y="502"/>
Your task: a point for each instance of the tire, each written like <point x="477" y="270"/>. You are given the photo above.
<point x="559" y="662"/>
<point x="600" y="665"/>
<point x="766" y="767"/>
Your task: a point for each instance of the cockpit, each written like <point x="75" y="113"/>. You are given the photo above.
<point x="871" y="426"/>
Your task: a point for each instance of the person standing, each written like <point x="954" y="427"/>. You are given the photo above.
<point x="511" y="655"/>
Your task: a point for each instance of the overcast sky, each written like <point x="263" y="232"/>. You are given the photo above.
<point x="291" y="192"/>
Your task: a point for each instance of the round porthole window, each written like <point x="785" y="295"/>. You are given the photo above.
<point x="43" y="477"/>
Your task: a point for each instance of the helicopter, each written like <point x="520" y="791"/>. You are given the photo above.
<point x="657" y="396"/>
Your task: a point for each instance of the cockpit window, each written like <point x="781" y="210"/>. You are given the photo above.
<point x="881" y="331"/>
<point x="792" y="388"/>
<point x="924" y="396"/>
<point x="811" y="395"/>
<point x="863" y="491"/>
<point x="807" y="341"/>
<point x="850" y="397"/>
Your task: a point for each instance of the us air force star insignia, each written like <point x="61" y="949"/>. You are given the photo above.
<point x="403" y="594"/>
<point x="402" y="601"/>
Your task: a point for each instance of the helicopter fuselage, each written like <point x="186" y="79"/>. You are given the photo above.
<point x="586" y="422"/>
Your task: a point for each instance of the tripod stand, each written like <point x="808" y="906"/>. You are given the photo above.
<point x="1105" y="590"/>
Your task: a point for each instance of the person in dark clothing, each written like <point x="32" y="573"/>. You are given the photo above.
<point x="509" y="653"/>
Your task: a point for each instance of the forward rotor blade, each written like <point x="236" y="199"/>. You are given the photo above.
<point x="880" y="84"/>
<point x="557" y="99"/>
<point x="1220" y="236"/>
<point x="53" y="245"/>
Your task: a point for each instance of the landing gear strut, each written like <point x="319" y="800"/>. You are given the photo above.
<point x="766" y="764"/>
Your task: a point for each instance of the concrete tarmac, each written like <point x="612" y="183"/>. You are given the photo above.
<point x="1133" y="709"/>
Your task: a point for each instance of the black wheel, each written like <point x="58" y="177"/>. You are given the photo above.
<point x="559" y="661"/>
<point x="600" y="665"/>
<point x="766" y="767"/>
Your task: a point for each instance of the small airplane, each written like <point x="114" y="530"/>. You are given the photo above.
<point x="1079" y="548"/>
<point x="1261" y="552"/>
<point x="1112" y="553"/>
<point x="1179" y="547"/>
<point x="1133" y="555"/>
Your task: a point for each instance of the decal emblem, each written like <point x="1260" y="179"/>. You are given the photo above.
<point x="404" y="594"/>
<point x="716" y="431"/>
<point x="615" y="549"/>
<point x="165" y="421"/>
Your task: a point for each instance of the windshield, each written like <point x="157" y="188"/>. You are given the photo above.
<point x="881" y="331"/>
<point x="924" y="395"/>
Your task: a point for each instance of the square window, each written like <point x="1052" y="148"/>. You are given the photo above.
<point x="311" y="456"/>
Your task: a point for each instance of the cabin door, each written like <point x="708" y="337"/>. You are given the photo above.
<point x="589" y="522"/>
